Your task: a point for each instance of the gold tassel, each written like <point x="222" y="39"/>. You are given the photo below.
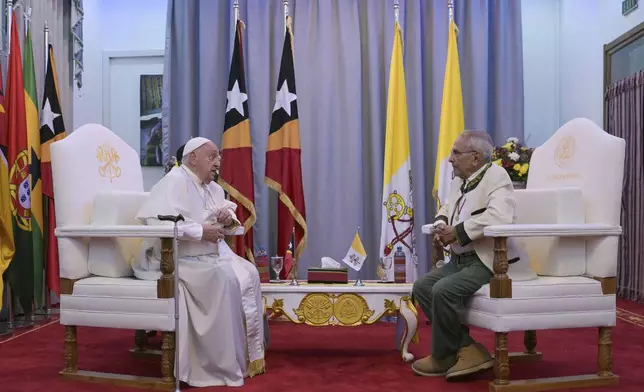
<point x="256" y="367"/>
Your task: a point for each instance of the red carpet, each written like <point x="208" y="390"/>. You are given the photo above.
<point x="324" y="359"/>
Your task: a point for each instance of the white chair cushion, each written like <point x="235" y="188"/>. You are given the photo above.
<point x="125" y="303"/>
<point x="113" y="257"/>
<point x="552" y="256"/>
<point x="543" y="303"/>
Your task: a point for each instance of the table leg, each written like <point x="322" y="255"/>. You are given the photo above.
<point x="409" y="313"/>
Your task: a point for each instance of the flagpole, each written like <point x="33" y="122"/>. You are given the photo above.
<point x="9" y="22"/>
<point x="285" y="15"/>
<point x="47" y="288"/>
<point x="236" y="8"/>
<point x="450" y="9"/>
<point x="397" y="11"/>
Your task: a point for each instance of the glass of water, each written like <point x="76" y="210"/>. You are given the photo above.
<point x="277" y="263"/>
<point x="386" y="263"/>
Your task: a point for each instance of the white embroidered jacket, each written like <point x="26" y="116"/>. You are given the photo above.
<point x="486" y="199"/>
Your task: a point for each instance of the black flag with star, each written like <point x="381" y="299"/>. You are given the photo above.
<point x="52" y="128"/>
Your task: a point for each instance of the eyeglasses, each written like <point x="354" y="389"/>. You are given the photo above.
<point x="459" y="153"/>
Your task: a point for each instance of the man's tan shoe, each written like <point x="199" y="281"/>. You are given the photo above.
<point x="431" y="367"/>
<point x="471" y="359"/>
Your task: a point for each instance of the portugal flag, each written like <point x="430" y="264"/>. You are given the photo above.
<point x="52" y="128"/>
<point x="21" y="269"/>
<point x="236" y="172"/>
<point x="283" y="158"/>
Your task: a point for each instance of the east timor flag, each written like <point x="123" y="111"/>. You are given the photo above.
<point x="21" y="269"/>
<point x="236" y="172"/>
<point x="283" y="158"/>
<point x="33" y="140"/>
<point x="52" y="128"/>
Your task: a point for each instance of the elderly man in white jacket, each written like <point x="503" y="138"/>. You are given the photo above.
<point x="481" y="194"/>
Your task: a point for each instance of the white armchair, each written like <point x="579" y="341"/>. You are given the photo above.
<point x="98" y="184"/>
<point x="568" y="222"/>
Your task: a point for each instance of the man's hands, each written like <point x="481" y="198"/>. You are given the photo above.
<point x="212" y="233"/>
<point x="444" y="235"/>
<point x="224" y="217"/>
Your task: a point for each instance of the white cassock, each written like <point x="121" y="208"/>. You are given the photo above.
<point x="221" y="330"/>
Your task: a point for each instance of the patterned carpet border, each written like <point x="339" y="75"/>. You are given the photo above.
<point x="630" y="317"/>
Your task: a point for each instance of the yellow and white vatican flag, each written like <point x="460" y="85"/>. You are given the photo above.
<point x="397" y="208"/>
<point x="356" y="255"/>
<point x="452" y="121"/>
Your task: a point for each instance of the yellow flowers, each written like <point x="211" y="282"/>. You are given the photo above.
<point x="499" y="162"/>
<point x="521" y="169"/>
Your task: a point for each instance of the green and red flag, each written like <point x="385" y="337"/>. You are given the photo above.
<point x="52" y="128"/>
<point x="236" y="172"/>
<point x="283" y="159"/>
<point x="21" y="269"/>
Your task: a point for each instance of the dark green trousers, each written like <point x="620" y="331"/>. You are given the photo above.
<point x="442" y="295"/>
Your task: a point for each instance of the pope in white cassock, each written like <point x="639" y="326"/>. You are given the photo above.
<point x="221" y="330"/>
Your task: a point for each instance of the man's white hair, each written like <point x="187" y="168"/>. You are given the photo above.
<point x="480" y="142"/>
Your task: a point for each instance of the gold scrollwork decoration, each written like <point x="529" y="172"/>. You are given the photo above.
<point x="108" y="159"/>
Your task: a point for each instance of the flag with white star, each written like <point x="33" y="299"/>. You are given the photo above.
<point x="236" y="171"/>
<point x="283" y="156"/>
<point x="356" y="255"/>
<point x="52" y="128"/>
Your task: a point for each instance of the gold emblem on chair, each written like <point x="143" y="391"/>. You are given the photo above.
<point x="108" y="159"/>
<point x="315" y="309"/>
<point x="565" y="151"/>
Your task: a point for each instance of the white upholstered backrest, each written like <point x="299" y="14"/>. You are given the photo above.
<point x="90" y="160"/>
<point x="582" y="155"/>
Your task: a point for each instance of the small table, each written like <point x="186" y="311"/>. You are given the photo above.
<point x="346" y="305"/>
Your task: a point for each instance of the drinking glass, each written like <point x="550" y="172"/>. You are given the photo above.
<point x="386" y="263"/>
<point x="277" y="263"/>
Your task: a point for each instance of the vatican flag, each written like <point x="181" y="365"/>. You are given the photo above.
<point x="452" y="121"/>
<point x="397" y="228"/>
<point x="356" y="255"/>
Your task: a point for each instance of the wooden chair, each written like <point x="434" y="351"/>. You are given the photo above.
<point x="98" y="184"/>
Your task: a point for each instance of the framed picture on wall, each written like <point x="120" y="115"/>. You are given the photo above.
<point x="150" y="95"/>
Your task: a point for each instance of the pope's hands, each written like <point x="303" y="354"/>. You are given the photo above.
<point x="224" y="217"/>
<point x="212" y="233"/>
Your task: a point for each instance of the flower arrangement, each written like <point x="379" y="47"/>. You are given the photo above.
<point x="514" y="158"/>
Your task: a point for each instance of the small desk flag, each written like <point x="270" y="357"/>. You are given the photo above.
<point x="356" y="255"/>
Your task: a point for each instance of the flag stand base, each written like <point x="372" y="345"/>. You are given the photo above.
<point x="294" y="282"/>
<point x="359" y="282"/>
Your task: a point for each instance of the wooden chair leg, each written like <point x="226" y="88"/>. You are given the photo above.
<point x="501" y="362"/>
<point x="71" y="350"/>
<point x="530" y="341"/>
<point x="140" y="340"/>
<point x="605" y="352"/>
<point x="167" y="357"/>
